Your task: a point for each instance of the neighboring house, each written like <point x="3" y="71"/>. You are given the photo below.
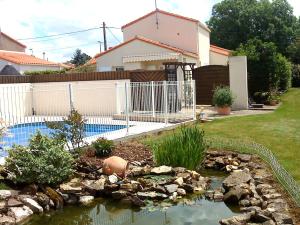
<point x="218" y="56"/>
<point x="23" y="62"/>
<point x="160" y="37"/>
<point x="9" y="44"/>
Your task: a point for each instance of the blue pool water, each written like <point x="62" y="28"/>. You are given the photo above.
<point x="20" y="134"/>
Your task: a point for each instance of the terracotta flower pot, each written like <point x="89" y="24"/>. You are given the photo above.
<point x="273" y="102"/>
<point x="116" y="165"/>
<point x="225" y="110"/>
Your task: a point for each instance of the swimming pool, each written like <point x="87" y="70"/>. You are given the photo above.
<point x="20" y="133"/>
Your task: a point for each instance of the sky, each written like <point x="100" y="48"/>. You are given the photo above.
<point x="23" y="19"/>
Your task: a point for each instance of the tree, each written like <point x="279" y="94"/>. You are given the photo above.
<point x="268" y="69"/>
<point x="79" y="58"/>
<point x="234" y="22"/>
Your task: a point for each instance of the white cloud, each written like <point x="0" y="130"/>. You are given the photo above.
<point x="31" y="18"/>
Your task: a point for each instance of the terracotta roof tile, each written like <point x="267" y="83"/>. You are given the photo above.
<point x="219" y="50"/>
<point x="24" y="59"/>
<point x="149" y="41"/>
<point x="166" y="13"/>
<point x="12" y="39"/>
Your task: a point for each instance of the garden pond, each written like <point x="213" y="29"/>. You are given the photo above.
<point x="188" y="211"/>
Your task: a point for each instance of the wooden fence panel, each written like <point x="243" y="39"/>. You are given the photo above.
<point x="207" y="78"/>
<point x="134" y="76"/>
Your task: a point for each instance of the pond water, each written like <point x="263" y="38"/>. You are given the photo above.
<point x="191" y="211"/>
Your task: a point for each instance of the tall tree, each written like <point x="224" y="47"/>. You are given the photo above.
<point x="79" y="58"/>
<point x="234" y="22"/>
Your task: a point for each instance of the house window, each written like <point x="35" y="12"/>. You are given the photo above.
<point x="119" y="68"/>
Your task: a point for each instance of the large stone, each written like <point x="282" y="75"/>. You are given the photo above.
<point x="136" y="201"/>
<point x="7" y="220"/>
<point x="181" y="192"/>
<point x="237" y="220"/>
<point x="161" y="170"/>
<point x="235" y="194"/>
<point x="235" y="179"/>
<point x="42" y="199"/>
<point x="281" y="218"/>
<point x="171" y="188"/>
<point x="188" y="188"/>
<point x="244" y="157"/>
<point x="131" y="187"/>
<point x="33" y="205"/>
<point x="4" y="194"/>
<point x="85" y="200"/>
<point x="96" y="186"/>
<point x="20" y="213"/>
<point x="113" y="179"/>
<point x="69" y="188"/>
<point x="3" y="207"/>
<point x="179" y="181"/>
<point x="12" y="202"/>
<point x="151" y="195"/>
<point x="55" y="197"/>
<point x="119" y="194"/>
<point x="268" y="197"/>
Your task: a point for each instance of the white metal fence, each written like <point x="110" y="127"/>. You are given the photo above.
<point x="112" y="109"/>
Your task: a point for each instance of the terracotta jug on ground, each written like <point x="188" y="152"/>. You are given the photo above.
<point x="116" y="165"/>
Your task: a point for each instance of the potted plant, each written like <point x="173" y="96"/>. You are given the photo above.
<point x="273" y="98"/>
<point x="223" y="99"/>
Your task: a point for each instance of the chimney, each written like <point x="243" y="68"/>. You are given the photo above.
<point x="44" y="55"/>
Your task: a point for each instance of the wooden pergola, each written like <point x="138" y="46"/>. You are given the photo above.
<point x="171" y="70"/>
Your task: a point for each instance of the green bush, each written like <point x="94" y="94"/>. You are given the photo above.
<point x="284" y="70"/>
<point x="44" y="161"/>
<point x="103" y="147"/>
<point x="267" y="69"/>
<point x="222" y="97"/>
<point x="45" y="72"/>
<point x="185" y="148"/>
<point x="296" y="75"/>
<point x="70" y="130"/>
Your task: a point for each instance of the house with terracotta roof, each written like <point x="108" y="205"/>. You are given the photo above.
<point x="23" y="62"/>
<point x="12" y="53"/>
<point x="159" y="37"/>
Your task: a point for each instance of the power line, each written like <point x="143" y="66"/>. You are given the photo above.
<point x="67" y="33"/>
<point x="114" y="35"/>
<point x="75" y="46"/>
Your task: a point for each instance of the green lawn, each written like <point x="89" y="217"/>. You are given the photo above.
<point x="279" y="131"/>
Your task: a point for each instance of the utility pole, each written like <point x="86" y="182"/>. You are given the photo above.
<point x="104" y="36"/>
<point x="100" y="42"/>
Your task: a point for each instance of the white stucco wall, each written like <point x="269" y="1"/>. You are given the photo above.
<point x="171" y="30"/>
<point x="15" y="102"/>
<point x="218" y="59"/>
<point x="23" y="68"/>
<point x="203" y="46"/>
<point x="115" y="58"/>
<point x="92" y="98"/>
<point x="238" y="81"/>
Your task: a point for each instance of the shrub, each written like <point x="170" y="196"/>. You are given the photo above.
<point x="70" y="130"/>
<point x="296" y="75"/>
<point x="44" y="161"/>
<point x="222" y="97"/>
<point x="45" y="72"/>
<point x="283" y="69"/>
<point x="267" y="68"/>
<point x="185" y="148"/>
<point x="103" y="147"/>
